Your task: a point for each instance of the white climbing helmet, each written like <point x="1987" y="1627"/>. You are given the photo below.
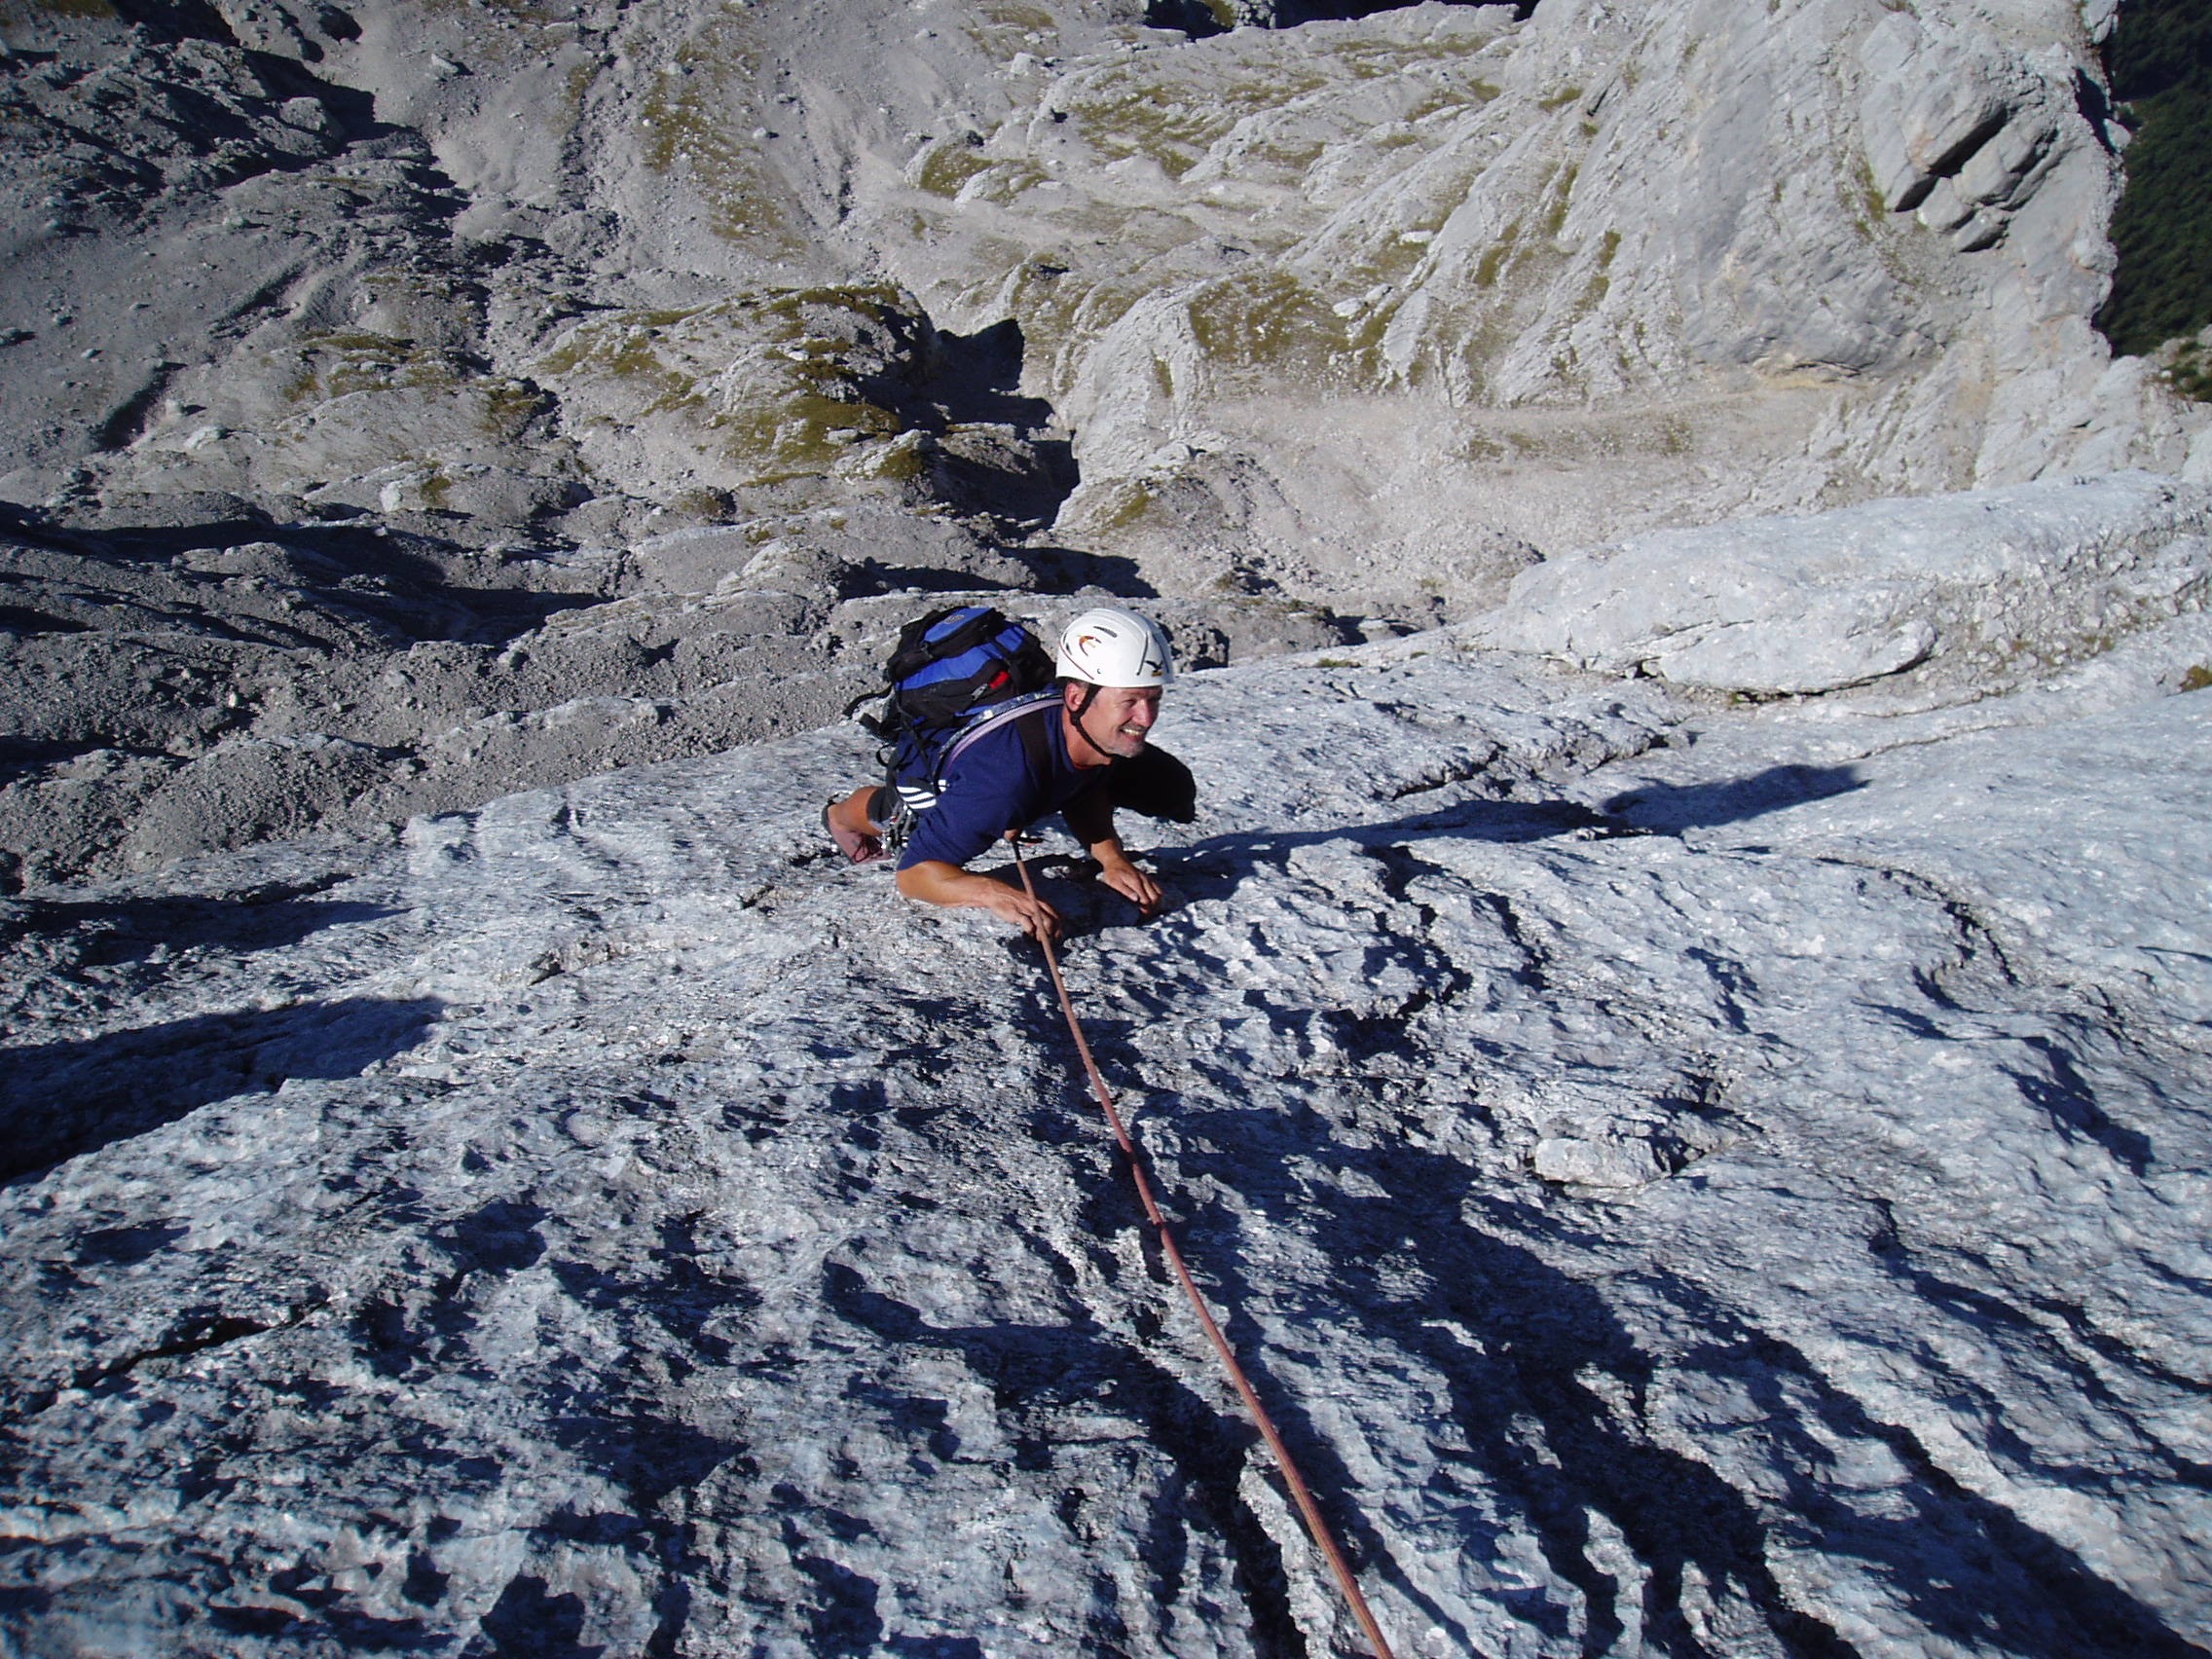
<point x="1114" y="648"/>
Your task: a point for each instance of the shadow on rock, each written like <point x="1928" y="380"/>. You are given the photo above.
<point x="1693" y="806"/>
<point x="400" y="583"/>
<point x="107" y="932"/>
<point x="60" y="1100"/>
<point x="1068" y="570"/>
<point x="1213" y="867"/>
<point x="527" y="1623"/>
<point x="1550" y="1394"/>
<point x="1041" y="1374"/>
<point x="1021" y="478"/>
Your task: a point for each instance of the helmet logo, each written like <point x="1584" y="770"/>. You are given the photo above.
<point x="1114" y="648"/>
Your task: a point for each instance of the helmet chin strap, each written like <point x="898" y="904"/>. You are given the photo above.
<point x="1090" y="696"/>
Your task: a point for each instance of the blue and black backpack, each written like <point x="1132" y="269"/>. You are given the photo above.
<point x="952" y="665"/>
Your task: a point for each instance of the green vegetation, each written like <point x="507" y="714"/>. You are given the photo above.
<point x="1555" y="221"/>
<point x="1004" y="181"/>
<point x="699" y="125"/>
<point x="335" y="365"/>
<point x="1495" y="256"/>
<point x="1271" y="322"/>
<point x="2191" y="370"/>
<point x="2160" y="61"/>
<point x="770" y="384"/>
<point x="1029" y="19"/>
<point x="2196" y="678"/>
<point x="1130" y="503"/>
<point x="1006" y="29"/>
<point x="1127" y="109"/>
<point x="951" y="164"/>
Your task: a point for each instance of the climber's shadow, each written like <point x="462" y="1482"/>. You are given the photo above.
<point x="1214" y="866"/>
<point x="108" y="931"/>
<point x="1673" y="808"/>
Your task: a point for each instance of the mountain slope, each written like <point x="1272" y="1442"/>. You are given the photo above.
<point x="1756" y="1216"/>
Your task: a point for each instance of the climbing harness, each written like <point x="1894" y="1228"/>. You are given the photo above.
<point x="1315" y="1525"/>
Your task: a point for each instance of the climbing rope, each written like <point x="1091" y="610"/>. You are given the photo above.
<point x="1317" y="1527"/>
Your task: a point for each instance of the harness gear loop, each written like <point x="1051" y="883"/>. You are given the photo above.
<point x="1307" y="1509"/>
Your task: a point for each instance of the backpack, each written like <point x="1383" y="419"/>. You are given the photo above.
<point x="953" y="664"/>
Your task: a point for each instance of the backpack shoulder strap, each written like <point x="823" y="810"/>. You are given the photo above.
<point x="1035" y="741"/>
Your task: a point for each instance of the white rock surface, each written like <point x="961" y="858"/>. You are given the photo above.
<point x="607" y="1223"/>
<point x="1364" y="315"/>
<point x="1975" y="591"/>
<point x="1691" y="1174"/>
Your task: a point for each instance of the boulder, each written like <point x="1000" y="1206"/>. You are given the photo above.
<point x="1973" y="592"/>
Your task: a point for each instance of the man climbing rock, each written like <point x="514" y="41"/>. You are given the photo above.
<point x="1079" y="749"/>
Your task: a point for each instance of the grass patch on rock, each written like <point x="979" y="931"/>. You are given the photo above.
<point x="762" y="388"/>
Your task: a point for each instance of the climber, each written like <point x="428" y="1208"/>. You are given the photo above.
<point x="1079" y="749"/>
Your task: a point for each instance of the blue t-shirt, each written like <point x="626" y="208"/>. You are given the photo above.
<point x="993" y="787"/>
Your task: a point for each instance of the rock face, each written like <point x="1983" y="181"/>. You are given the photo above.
<point x="232" y="681"/>
<point x="1366" y="313"/>
<point x="1686" y="1179"/>
<point x="1430" y="284"/>
<point x="1970" y="592"/>
<point x="1683" y="1080"/>
<point x="1439" y="273"/>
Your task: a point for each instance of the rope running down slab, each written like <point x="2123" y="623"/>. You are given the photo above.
<point x="1307" y="1507"/>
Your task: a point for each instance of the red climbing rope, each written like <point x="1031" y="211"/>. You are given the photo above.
<point x="1314" y="1525"/>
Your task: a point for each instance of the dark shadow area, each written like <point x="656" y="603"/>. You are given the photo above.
<point x="1547" y="1351"/>
<point x="1202" y="18"/>
<point x="23" y="620"/>
<point x="126" y="1246"/>
<point x="979" y="377"/>
<point x="1068" y="570"/>
<point x="1672" y="809"/>
<point x="871" y="577"/>
<point x="398" y="584"/>
<point x="109" y="932"/>
<point x="2071" y="1103"/>
<point x="331" y="1625"/>
<point x="841" y="1618"/>
<point x="1019" y="477"/>
<point x="1038" y="1372"/>
<point x="18" y="752"/>
<point x="649" y="1454"/>
<point x="670" y="1288"/>
<point x="60" y="1100"/>
<point x="1289" y="14"/>
<point x="526" y="1623"/>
